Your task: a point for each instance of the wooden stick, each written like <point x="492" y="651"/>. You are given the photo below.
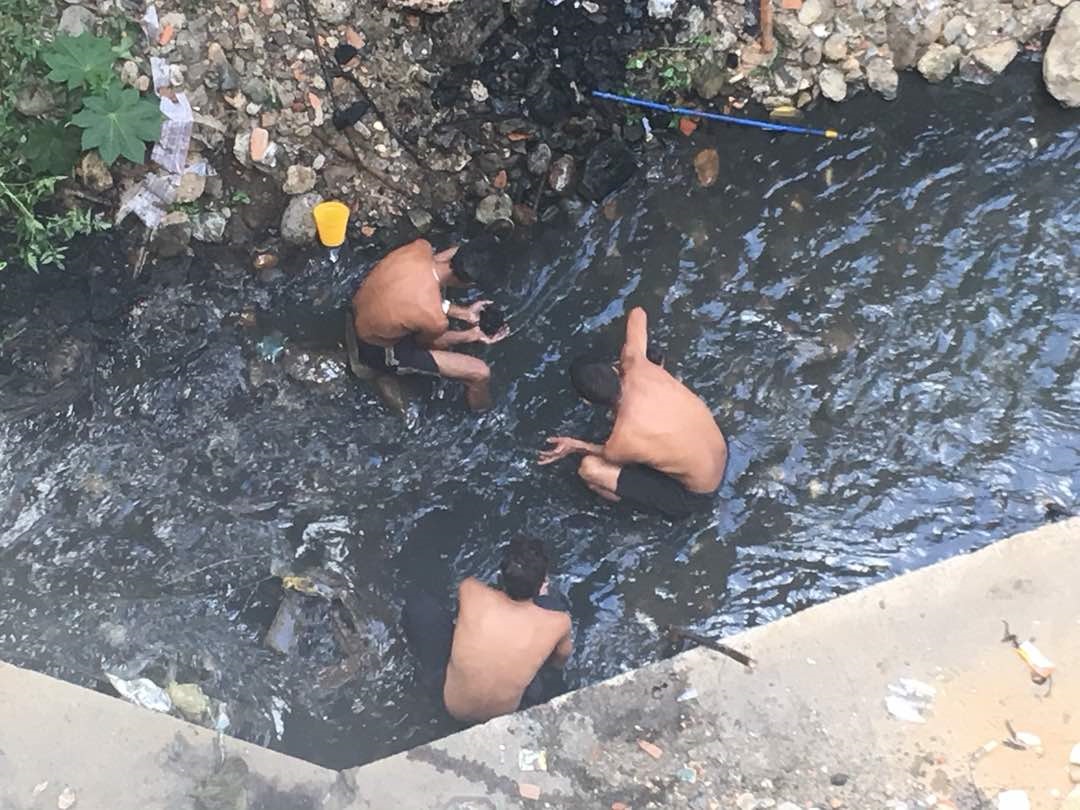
<point x="716" y="646"/>
<point x="767" y="43"/>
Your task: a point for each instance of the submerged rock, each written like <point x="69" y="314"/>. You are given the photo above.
<point x="1061" y="63"/>
<point x="493" y="208"/>
<point x="173" y="235"/>
<point x="561" y="174"/>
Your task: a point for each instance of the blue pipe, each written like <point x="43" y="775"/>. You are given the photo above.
<point x="727" y="119"/>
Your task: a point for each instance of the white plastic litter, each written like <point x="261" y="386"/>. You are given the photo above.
<point x="909" y="700"/>
<point x="903" y="709"/>
<point x="142" y="692"/>
<point x="1013" y="800"/>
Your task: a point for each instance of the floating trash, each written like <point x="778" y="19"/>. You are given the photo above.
<point x="271" y="346"/>
<point x="142" y="692"/>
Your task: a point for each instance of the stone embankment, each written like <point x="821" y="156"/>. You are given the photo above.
<point x="457" y="114"/>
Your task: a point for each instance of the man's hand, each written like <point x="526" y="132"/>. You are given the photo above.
<point x="561" y="447"/>
<point x="474" y="311"/>
<point x="487" y="340"/>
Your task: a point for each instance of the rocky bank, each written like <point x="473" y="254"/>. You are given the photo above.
<point x="458" y="114"/>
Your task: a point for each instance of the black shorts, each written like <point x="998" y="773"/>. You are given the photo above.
<point x="655" y="491"/>
<point x="404" y="357"/>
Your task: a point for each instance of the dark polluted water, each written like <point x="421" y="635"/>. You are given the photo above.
<point x="885" y="326"/>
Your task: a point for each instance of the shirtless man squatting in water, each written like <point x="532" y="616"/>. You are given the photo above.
<point x="665" y="452"/>
<point x="402" y="321"/>
<point x="499" y="655"/>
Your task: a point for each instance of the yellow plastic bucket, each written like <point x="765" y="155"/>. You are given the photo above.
<point x="331" y="219"/>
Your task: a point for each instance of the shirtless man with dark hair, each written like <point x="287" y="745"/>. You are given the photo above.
<point x="665" y="452"/>
<point x="402" y="321"/>
<point x="492" y="661"/>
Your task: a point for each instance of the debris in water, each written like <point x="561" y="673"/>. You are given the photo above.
<point x="1013" y="800"/>
<point x="785" y="113"/>
<point x="67" y="799"/>
<point x="529" y="760"/>
<point x="707" y="166"/>
<point x="142" y="692"/>
<point x="527" y="791"/>
<point x="190" y="700"/>
<point x="271" y="346"/>
<point x="653" y="751"/>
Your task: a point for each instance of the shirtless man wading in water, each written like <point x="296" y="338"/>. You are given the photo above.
<point x="402" y="321"/>
<point x="665" y="452"/>
<point x="491" y="661"/>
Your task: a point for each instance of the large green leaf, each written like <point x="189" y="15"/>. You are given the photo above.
<point x="118" y="123"/>
<point x="51" y="149"/>
<point x="82" y="61"/>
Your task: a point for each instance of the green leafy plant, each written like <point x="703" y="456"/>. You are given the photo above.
<point x="120" y="122"/>
<point x="672" y="66"/>
<point x="82" y="61"/>
<point x="41" y="147"/>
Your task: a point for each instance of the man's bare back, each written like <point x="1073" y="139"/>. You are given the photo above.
<point x="663" y="424"/>
<point x="499" y="646"/>
<point x="400" y="296"/>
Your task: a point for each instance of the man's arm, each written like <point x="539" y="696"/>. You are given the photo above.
<point x="563" y="446"/>
<point x="561" y="654"/>
<point x="637" y="336"/>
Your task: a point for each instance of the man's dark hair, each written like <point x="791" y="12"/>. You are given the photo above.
<point x="595" y="381"/>
<point x="524" y="567"/>
<point x="479" y="261"/>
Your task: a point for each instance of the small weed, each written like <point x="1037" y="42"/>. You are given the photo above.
<point x="672" y="66"/>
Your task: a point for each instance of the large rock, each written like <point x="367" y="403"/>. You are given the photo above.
<point x="995" y="58"/>
<point x="832" y="83"/>
<point x="297" y="223"/>
<point x="299" y="179"/>
<point x="881" y="77"/>
<point x="790" y="31"/>
<point x="939" y="62"/>
<point x="835" y="47"/>
<point x="813" y="11"/>
<point x="609" y="166"/>
<point x="34" y="98"/>
<point x="77" y="20"/>
<point x="459" y="34"/>
<point x="1061" y="63"/>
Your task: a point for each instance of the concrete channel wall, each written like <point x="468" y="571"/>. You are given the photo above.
<point x="807" y="727"/>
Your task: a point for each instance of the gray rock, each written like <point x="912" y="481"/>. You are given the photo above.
<point x="523" y="10"/>
<point x="256" y="90"/>
<point x="881" y="77"/>
<point x="995" y="58"/>
<point x="709" y="80"/>
<point x="209" y="225"/>
<point x="228" y="78"/>
<point x="299" y="180"/>
<point x="561" y="174"/>
<point x="832" y="83"/>
<point x="297" y="223"/>
<point x="420" y="219"/>
<point x="835" y="48"/>
<point x="77" y="20"/>
<point x="332" y="11"/>
<point x="539" y="159"/>
<point x="93" y="172"/>
<point x="939" y="62"/>
<point x="172" y="236"/>
<point x="493" y="208"/>
<point x="903" y="41"/>
<point x="1061" y="63"/>
<point x="458" y="35"/>
<point x="790" y="31"/>
<point x="811" y="54"/>
<point x="34" y="98"/>
<point x="811" y="12"/>
<point x="661" y="9"/>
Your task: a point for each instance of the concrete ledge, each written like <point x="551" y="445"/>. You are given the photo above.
<point x="812" y="710"/>
<point x="807" y="726"/>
